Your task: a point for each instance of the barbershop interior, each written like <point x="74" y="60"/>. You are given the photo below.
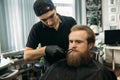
<point x="17" y="18"/>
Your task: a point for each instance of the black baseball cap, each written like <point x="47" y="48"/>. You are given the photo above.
<point x="43" y="6"/>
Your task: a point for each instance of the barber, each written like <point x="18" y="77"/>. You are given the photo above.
<point x="51" y="32"/>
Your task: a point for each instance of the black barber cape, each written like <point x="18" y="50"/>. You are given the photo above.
<point x="91" y="71"/>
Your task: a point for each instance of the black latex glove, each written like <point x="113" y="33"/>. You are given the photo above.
<point x="54" y="53"/>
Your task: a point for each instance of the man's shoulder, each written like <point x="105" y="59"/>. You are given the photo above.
<point x="38" y="24"/>
<point x="64" y="18"/>
<point x="97" y="65"/>
<point x="104" y="70"/>
<point x="68" y="18"/>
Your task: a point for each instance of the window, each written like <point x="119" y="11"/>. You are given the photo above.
<point x="65" y="7"/>
<point x="15" y="23"/>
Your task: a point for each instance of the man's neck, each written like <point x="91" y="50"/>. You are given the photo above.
<point x="57" y="23"/>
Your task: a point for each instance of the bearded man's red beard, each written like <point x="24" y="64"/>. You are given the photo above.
<point x="75" y="59"/>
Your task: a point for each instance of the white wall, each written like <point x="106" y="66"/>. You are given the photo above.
<point x="105" y="14"/>
<point x="111" y="10"/>
<point x="83" y="12"/>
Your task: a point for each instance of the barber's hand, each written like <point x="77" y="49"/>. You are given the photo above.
<point x="54" y="53"/>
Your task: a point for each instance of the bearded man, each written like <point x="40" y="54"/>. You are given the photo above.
<point x="79" y="65"/>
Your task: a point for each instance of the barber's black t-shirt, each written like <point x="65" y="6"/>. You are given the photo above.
<point x="40" y="33"/>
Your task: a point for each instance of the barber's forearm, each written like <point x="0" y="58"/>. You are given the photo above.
<point x="33" y="54"/>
